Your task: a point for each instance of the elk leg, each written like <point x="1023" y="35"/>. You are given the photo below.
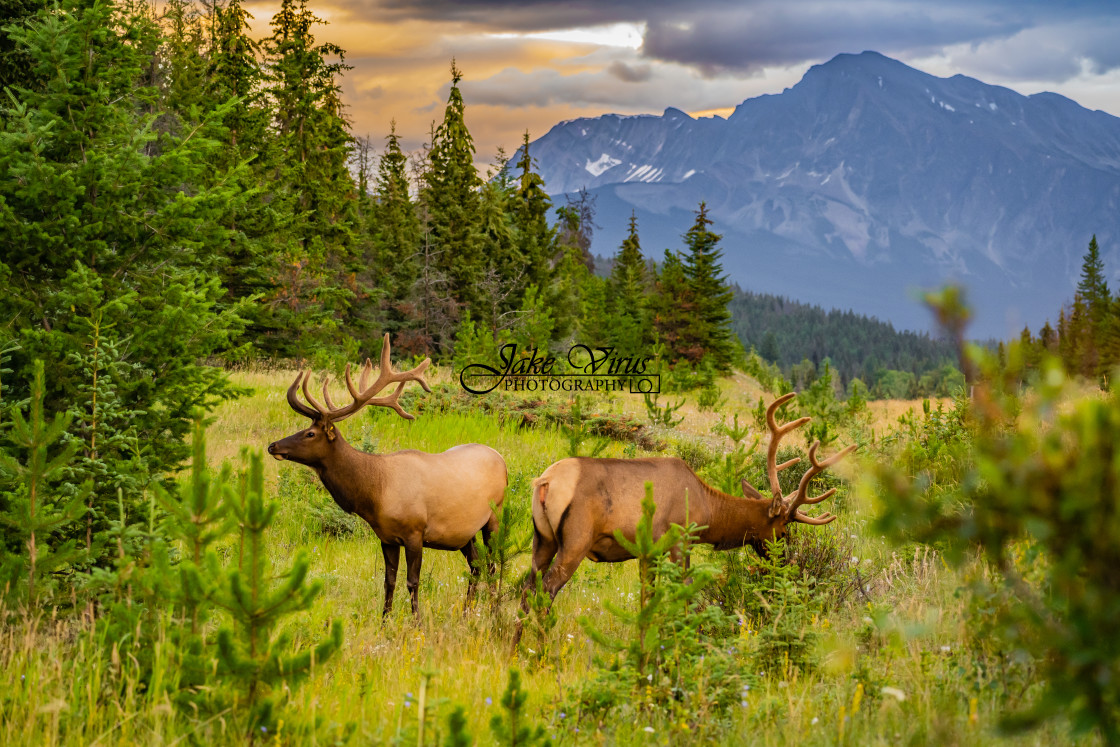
<point x="392" y="555"/>
<point x="544" y="550"/>
<point x="488" y="529"/>
<point x="414" y="557"/>
<point x="470" y="552"/>
<point x="562" y="570"/>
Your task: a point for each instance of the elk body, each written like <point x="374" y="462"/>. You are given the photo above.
<point x="579" y="503"/>
<point x="411" y="499"/>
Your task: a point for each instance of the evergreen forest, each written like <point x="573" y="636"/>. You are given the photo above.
<point x="189" y="227"/>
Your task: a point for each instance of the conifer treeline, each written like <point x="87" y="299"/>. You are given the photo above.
<point x="318" y="241"/>
<point x="800" y="337"/>
<point x="1087" y="339"/>
<point x="176" y="192"/>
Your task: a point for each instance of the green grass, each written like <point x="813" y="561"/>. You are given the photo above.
<point x="912" y="637"/>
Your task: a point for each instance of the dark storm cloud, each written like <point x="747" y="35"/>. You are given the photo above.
<point x="742" y="36"/>
<point x="630" y="73"/>
<point x="786" y="35"/>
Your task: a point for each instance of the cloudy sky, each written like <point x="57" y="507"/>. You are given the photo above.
<point x="528" y="64"/>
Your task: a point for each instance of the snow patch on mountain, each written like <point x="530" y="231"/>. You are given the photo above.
<point x="604" y="163"/>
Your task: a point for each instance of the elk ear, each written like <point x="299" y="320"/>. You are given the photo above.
<point x="330" y="431"/>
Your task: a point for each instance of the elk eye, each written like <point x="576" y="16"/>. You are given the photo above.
<point x="310" y="434"/>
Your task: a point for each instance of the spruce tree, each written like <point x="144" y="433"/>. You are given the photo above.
<point x="235" y="80"/>
<point x="1093" y="290"/>
<point x="396" y="238"/>
<point x="674" y="308"/>
<point x="1092" y="287"/>
<point x="535" y="237"/>
<point x="503" y="282"/>
<point x="184" y="66"/>
<point x="577" y="226"/>
<point x="450" y="196"/>
<point x="32" y="510"/>
<point x="709" y="334"/>
<point x="111" y="214"/>
<point x="16" y="69"/>
<point x="574" y="286"/>
<point x="1048" y="338"/>
<point x="313" y="192"/>
<point x="250" y="652"/>
<point x="630" y="331"/>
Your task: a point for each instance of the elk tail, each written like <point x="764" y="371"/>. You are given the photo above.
<point x="541" y="523"/>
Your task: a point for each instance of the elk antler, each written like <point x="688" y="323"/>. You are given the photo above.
<point x="802" y="498"/>
<point x="363" y="394"/>
<point x="777" y="504"/>
<point x="777" y="432"/>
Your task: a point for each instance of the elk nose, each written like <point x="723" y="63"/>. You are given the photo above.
<point x="272" y="448"/>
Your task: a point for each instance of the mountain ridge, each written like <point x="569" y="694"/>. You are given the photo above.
<point x="870" y="179"/>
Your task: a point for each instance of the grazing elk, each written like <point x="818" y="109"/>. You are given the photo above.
<point x="410" y="498"/>
<point x="579" y="504"/>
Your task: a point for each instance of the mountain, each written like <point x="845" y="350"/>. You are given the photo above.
<point x="867" y="181"/>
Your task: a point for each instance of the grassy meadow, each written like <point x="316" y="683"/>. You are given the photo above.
<point x="897" y="661"/>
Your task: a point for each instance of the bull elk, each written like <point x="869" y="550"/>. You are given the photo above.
<point x="410" y="498"/>
<point x="579" y="504"/>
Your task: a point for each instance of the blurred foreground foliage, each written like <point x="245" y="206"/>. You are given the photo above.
<point x="1029" y="477"/>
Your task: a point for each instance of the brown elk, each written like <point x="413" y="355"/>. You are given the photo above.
<point x="579" y="504"/>
<point x="410" y="498"/>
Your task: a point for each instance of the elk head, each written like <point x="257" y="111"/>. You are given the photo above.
<point x="783" y="512"/>
<point x="313" y="444"/>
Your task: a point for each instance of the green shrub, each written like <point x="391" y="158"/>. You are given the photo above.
<point x="1038" y="497"/>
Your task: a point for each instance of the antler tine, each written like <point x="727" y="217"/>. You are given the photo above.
<point x="776" y="434"/>
<point x="391" y="401"/>
<point x="327" y="394"/>
<point x="802" y="498"/>
<point x="363" y="394"/>
<point x="814" y="520"/>
<point x="293" y="398"/>
<point x="321" y="412"/>
<point x="367" y="371"/>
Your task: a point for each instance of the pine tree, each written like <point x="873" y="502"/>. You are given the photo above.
<point x="631" y="331"/>
<point x="452" y="203"/>
<point x="313" y="189"/>
<point x="1093" y="290"/>
<point x="249" y="651"/>
<point x="31" y="511"/>
<point x="536" y="239"/>
<point x="673" y="309"/>
<point x="101" y="203"/>
<point x="396" y="238"/>
<point x="1092" y="287"/>
<point x="709" y="334"/>
<point x="16" y="68"/>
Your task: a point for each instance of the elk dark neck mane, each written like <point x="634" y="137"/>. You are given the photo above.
<point x="732" y="520"/>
